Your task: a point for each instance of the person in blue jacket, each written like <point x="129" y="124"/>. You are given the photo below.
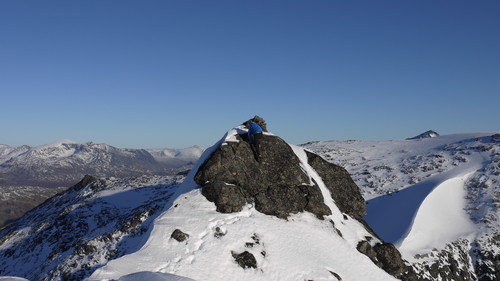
<point x="254" y="137"/>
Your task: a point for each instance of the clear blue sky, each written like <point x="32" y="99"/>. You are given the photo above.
<point x="144" y="74"/>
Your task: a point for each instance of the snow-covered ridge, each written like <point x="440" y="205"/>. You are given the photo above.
<point x="80" y="229"/>
<point x="382" y="167"/>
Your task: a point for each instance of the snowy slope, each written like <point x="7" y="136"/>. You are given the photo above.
<point x="383" y="167"/>
<point x="80" y="229"/>
<point x="17" y="200"/>
<point x="24" y="170"/>
<point x="438" y="198"/>
<point x="300" y="248"/>
<point x="429" y="195"/>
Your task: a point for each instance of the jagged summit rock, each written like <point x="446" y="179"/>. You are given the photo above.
<point x="259" y="120"/>
<point x="277" y="184"/>
<point x="428" y="134"/>
<point x="282" y="183"/>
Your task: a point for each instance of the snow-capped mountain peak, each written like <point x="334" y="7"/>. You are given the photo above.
<point x="64" y="162"/>
<point x="425" y="135"/>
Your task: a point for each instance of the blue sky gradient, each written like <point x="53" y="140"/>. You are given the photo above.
<point x="145" y="74"/>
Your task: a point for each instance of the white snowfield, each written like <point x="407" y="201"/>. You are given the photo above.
<point x="426" y="193"/>
<point x="300" y="248"/>
<point x="441" y="219"/>
<point x="422" y="194"/>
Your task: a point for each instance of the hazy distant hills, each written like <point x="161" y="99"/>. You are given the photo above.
<point x="65" y="162"/>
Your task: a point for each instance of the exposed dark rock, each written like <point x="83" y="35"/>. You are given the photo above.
<point x="232" y="177"/>
<point x="365" y="248"/>
<point x="344" y="191"/>
<point x="87" y="179"/>
<point x="454" y="263"/>
<point x="387" y="257"/>
<point x="256" y="238"/>
<point x="390" y="258"/>
<point x="335" y="275"/>
<point x="259" y="120"/>
<point x="487" y="264"/>
<point x="245" y="259"/>
<point x="336" y="229"/>
<point x="219" y="233"/>
<point x="428" y="134"/>
<point x="495" y="138"/>
<point x="179" y="235"/>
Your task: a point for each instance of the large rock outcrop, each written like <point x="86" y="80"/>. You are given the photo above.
<point x="344" y="191"/>
<point x="277" y="184"/>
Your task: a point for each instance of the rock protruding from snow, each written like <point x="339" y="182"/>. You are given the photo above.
<point x="179" y="235"/>
<point x="257" y="119"/>
<point x="232" y="178"/>
<point x="428" y="134"/>
<point x="245" y="259"/>
<point x="387" y="257"/>
<point x="344" y="191"/>
<point x="280" y="184"/>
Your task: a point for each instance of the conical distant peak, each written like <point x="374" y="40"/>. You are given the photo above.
<point x="428" y="134"/>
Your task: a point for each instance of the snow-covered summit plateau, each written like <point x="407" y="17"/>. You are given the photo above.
<point x="436" y="198"/>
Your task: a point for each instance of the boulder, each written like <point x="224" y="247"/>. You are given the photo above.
<point x="245" y="259"/>
<point x="179" y="235"/>
<point x="232" y="178"/>
<point x="276" y="184"/>
<point x="386" y="256"/>
<point x="257" y="119"/>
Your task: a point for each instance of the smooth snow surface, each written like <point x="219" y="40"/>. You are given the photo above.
<point x="440" y="219"/>
<point x="303" y="248"/>
<point x="300" y="248"/>
<point x="424" y="194"/>
<point x="12" y="278"/>
<point x="392" y="216"/>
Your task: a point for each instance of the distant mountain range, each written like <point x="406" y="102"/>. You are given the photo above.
<point x="65" y="162"/>
<point x="30" y="175"/>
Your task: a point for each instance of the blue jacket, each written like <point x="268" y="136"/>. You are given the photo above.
<point x="254" y="128"/>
